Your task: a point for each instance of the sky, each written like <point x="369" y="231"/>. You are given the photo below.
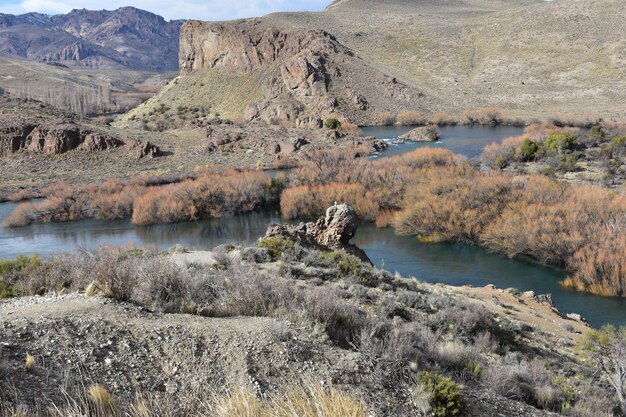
<point x="170" y="9"/>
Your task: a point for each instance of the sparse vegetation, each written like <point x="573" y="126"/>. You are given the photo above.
<point x="405" y="333"/>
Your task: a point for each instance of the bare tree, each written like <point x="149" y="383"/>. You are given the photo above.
<point x="606" y="350"/>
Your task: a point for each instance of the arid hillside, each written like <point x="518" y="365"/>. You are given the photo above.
<point x="360" y="58"/>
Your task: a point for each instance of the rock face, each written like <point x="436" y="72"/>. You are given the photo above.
<point x="30" y="126"/>
<point x="421" y="134"/>
<point x="331" y="232"/>
<point x="305" y="75"/>
<point x="52" y="139"/>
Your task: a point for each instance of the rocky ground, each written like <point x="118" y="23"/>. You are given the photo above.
<point x="40" y="145"/>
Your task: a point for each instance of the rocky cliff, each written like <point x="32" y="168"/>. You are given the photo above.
<point x="278" y="75"/>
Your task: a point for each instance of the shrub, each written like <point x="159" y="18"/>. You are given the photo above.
<point x="445" y="395"/>
<point x="275" y="246"/>
<point x="442" y="119"/>
<point x="347" y="264"/>
<point x="528" y="150"/>
<point x="618" y="143"/>
<point x="596" y="133"/>
<point x="559" y="142"/>
<point x="211" y="195"/>
<point x="606" y="350"/>
<point x="8" y="290"/>
<point x="332" y="123"/>
<point x="385" y="119"/>
<point x="410" y="118"/>
<point x="312" y="201"/>
<point x="489" y="116"/>
<point x="348" y="127"/>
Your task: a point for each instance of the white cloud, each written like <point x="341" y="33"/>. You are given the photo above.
<point x="172" y="9"/>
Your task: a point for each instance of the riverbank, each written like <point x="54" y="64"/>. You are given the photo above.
<point x="270" y="326"/>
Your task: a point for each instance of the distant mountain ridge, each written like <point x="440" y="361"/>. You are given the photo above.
<point x="128" y="38"/>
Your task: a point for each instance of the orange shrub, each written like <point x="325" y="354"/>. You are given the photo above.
<point x="312" y="201"/>
<point x="410" y="118"/>
<point x="21" y="195"/>
<point x="443" y="119"/>
<point x="348" y="127"/>
<point x="385" y="119"/>
<point x="453" y="205"/>
<point x="489" y="116"/>
<point x="211" y="195"/>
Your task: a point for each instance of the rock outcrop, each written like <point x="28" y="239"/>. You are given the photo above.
<point x="29" y="126"/>
<point x="304" y="75"/>
<point x="282" y="142"/>
<point x="331" y="232"/>
<point x="421" y="134"/>
<point x="52" y="139"/>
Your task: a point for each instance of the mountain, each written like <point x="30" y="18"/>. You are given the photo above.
<point x="360" y="58"/>
<point x="126" y="38"/>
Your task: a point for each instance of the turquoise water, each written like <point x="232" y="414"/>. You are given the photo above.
<point x="464" y="140"/>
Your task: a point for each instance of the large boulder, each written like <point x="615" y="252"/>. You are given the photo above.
<point x="421" y="134"/>
<point x="331" y="232"/>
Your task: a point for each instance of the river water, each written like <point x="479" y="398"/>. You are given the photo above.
<point x="453" y="264"/>
<point x="468" y="141"/>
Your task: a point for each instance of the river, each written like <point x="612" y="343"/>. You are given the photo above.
<point x="453" y="264"/>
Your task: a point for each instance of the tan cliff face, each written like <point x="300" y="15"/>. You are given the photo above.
<point x="298" y="66"/>
<point x="251" y="70"/>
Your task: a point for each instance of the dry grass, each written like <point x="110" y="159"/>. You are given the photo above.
<point x="310" y="399"/>
<point x="486" y="116"/>
<point x="410" y="118"/>
<point x="101" y="398"/>
<point x="30" y="363"/>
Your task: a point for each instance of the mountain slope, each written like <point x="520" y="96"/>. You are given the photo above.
<point x="531" y="58"/>
<point x="124" y="38"/>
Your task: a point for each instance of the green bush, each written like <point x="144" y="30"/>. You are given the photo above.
<point x="332" y="123"/>
<point x="597" y="133"/>
<point x="529" y="150"/>
<point x="445" y="395"/>
<point x="559" y="142"/>
<point x="618" y="143"/>
<point x="275" y="246"/>
<point x="347" y="264"/>
<point x="278" y="184"/>
<point x="7" y="290"/>
<point x="18" y="264"/>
